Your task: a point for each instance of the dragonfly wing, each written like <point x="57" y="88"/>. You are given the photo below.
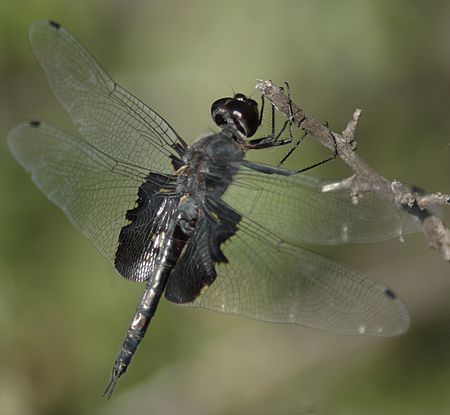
<point x="108" y="116"/>
<point x="269" y="279"/>
<point x="293" y="208"/>
<point x="94" y="190"/>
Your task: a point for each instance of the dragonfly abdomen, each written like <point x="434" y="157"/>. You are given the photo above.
<point x="156" y="284"/>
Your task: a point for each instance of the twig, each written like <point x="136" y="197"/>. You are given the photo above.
<point x="365" y="178"/>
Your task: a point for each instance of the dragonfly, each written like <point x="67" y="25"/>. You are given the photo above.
<point x="200" y="223"/>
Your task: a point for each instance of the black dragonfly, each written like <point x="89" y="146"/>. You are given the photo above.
<point x="200" y="223"/>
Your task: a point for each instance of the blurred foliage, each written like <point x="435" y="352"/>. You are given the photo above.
<point x="63" y="312"/>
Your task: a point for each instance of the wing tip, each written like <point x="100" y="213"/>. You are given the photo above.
<point x="46" y="22"/>
<point x="35" y="123"/>
<point x="404" y="321"/>
<point x="42" y="24"/>
<point x="17" y="132"/>
<point x="400" y="320"/>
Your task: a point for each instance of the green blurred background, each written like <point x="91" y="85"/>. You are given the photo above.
<point x="64" y="312"/>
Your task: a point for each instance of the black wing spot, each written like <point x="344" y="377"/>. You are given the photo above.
<point x="35" y="123"/>
<point x="54" y="24"/>
<point x="390" y="294"/>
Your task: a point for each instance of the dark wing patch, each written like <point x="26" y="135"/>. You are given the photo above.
<point x="136" y="252"/>
<point x="196" y="267"/>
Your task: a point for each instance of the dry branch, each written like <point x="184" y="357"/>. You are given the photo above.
<point x="365" y="178"/>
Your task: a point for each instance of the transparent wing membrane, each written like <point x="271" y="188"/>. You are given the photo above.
<point x="293" y="208"/>
<point x="269" y="279"/>
<point x="108" y="116"/>
<point x="92" y="189"/>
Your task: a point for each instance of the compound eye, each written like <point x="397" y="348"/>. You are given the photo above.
<point x="240" y="123"/>
<point x="240" y="111"/>
<point x="246" y="114"/>
<point x="219" y="111"/>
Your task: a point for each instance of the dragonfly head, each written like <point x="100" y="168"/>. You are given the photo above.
<point x="239" y="112"/>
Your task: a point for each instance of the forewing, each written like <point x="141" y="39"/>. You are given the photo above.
<point x="293" y="208"/>
<point x="268" y="279"/>
<point x="94" y="190"/>
<point x="108" y="116"/>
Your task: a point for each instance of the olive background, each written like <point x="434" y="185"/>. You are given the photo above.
<point x="63" y="310"/>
